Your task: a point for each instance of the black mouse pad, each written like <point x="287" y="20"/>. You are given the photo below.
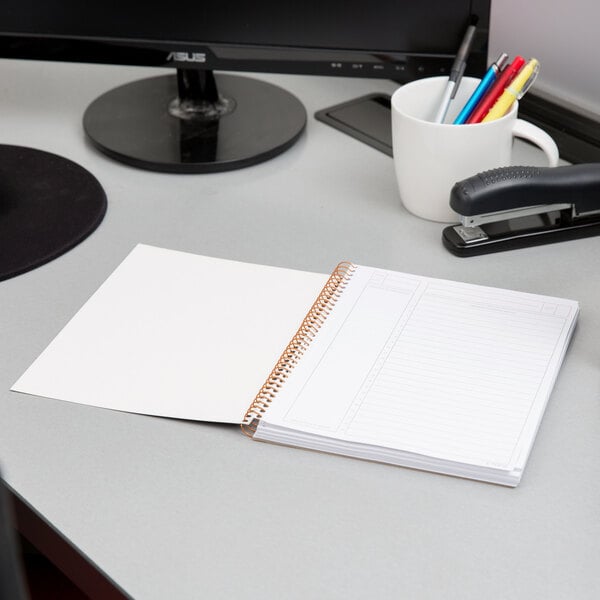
<point x="48" y="204"/>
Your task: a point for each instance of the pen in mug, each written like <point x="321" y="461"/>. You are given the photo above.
<point x="507" y="75"/>
<point x="486" y="83"/>
<point x="515" y="91"/>
<point x="456" y="72"/>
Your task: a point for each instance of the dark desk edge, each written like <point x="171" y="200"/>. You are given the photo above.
<point x="576" y="134"/>
<point x="87" y="576"/>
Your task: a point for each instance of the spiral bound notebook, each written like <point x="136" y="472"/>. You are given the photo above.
<point x="385" y="366"/>
<point x="418" y="372"/>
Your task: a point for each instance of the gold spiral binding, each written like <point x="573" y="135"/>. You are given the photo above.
<point x="297" y="347"/>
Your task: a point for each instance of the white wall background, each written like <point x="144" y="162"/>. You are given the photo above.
<point x="564" y="35"/>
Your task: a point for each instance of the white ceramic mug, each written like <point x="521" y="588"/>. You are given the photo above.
<point x="430" y="158"/>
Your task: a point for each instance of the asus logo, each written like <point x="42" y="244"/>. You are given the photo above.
<point x="195" y="57"/>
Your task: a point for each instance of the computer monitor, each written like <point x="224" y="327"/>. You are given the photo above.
<point x="198" y="121"/>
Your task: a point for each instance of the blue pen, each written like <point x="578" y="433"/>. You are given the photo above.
<point x="482" y="88"/>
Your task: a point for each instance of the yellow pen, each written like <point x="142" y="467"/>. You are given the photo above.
<point x="515" y="91"/>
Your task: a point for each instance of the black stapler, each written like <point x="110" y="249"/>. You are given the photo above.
<point x="515" y="207"/>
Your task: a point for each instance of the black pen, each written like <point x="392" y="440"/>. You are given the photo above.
<point x="457" y="70"/>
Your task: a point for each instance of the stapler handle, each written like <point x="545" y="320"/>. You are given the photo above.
<point x="509" y="188"/>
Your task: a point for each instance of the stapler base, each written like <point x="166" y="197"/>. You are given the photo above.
<point x="512" y="240"/>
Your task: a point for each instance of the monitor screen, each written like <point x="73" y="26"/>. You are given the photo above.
<point x="393" y="39"/>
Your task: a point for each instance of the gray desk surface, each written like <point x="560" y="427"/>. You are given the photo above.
<point x="173" y="509"/>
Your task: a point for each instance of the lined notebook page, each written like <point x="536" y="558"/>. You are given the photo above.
<point x="438" y="368"/>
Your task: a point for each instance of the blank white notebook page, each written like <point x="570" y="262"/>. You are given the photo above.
<point x="176" y="335"/>
<point x="438" y="368"/>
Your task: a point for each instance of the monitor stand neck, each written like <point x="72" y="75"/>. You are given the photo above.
<point x="198" y="97"/>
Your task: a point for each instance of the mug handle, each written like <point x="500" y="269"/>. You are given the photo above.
<point x="540" y="138"/>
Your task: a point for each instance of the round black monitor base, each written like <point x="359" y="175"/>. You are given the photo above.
<point x="48" y="204"/>
<point x="139" y="124"/>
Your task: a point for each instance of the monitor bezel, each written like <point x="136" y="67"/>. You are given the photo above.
<point x="401" y="66"/>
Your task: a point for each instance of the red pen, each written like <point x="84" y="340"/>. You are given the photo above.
<point x="496" y="90"/>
